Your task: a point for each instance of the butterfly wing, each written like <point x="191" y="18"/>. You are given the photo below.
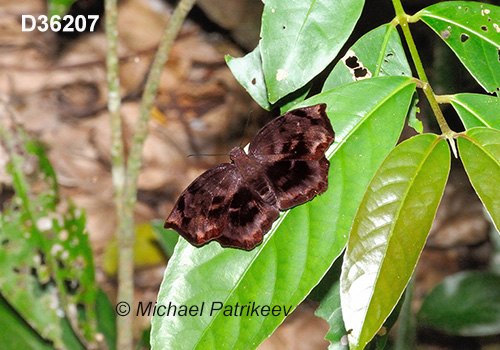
<point x="199" y="215"/>
<point x="286" y="165"/>
<point x="249" y="218"/>
<point x="301" y="134"/>
<point x="296" y="181"/>
<point x="219" y="206"/>
<point x="291" y="150"/>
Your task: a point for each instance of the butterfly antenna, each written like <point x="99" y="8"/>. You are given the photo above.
<point x="206" y="155"/>
<point x="245" y="128"/>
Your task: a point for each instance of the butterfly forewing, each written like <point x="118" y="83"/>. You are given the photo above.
<point x="200" y="213"/>
<point x="301" y="134"/>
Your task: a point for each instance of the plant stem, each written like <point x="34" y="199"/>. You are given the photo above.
<point x="148" y="97"/>
<point x="135" y="161"/>
<point x="429" y="93"/>
<point x="125" y="284"/>
<point x="126" y="183"/>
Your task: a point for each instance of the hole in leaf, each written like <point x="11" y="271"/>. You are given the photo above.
<point x="464" y="37"/>
<point x="284" y="27"/>
<point x="60" y="264"/>
<point x="355" y="66"/>
<point x="484" y="28"/>
<point x="254" y="81"/>
<point x="352" y="62"/>
<point x="41" y="257"/>
<point x="498" y="52"/>
<point x="360" y="72"/>
<point x="72" y="285"/>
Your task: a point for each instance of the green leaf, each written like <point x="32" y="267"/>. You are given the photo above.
<point x="331" y="311"/>
<point x="465" y="304"/>
<point x="495" y="256"/>
<point x="106" y="319"/>
<point x="46" y="266"/>
<point x="292" y="100"/>
<point x="15" y="333"/>
<point x="300" y="38"/>
<point x="413" y="121"/>
<point x="480" y="153"/>
<point x="166" y="238"/>
<point x="248" y="71"/>
<point x="472" y="31"/>
<point x="302" y="244"/>
<point x="406" y="332"/>
<point x="389" y="232"/>
<point x="477" y="110"/>
<point x="380" y="47"/>
<point x="59" y="7"/>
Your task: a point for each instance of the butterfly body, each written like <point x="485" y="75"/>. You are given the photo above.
<point x="253" y="175"/>
<point x="236" y="203"/>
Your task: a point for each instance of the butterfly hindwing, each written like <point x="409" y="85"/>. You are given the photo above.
<point x="249" y="218"/>
<point x="296" y="182"/>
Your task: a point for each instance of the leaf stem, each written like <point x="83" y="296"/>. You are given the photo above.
<point x="403" y="18"/>
<point x="387" y="37"/>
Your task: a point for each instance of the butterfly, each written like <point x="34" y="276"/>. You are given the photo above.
<point x="236" y="203"/>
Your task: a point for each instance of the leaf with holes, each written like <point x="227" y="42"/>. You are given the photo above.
<point x="46" y="266"/>
<point x="379" y="48"/>
<point x="472" y="31"/>
<point x="248" y="71"/>
<point x="480" y="153"/>
<point x="477" y="110"/>
<point x="389" y="232"/>
<point x="292" y="30"/>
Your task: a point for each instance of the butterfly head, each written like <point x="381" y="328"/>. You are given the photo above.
<point x="237" y="153"/>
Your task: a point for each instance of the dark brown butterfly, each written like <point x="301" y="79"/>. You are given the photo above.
<point x="236" y="203"/>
